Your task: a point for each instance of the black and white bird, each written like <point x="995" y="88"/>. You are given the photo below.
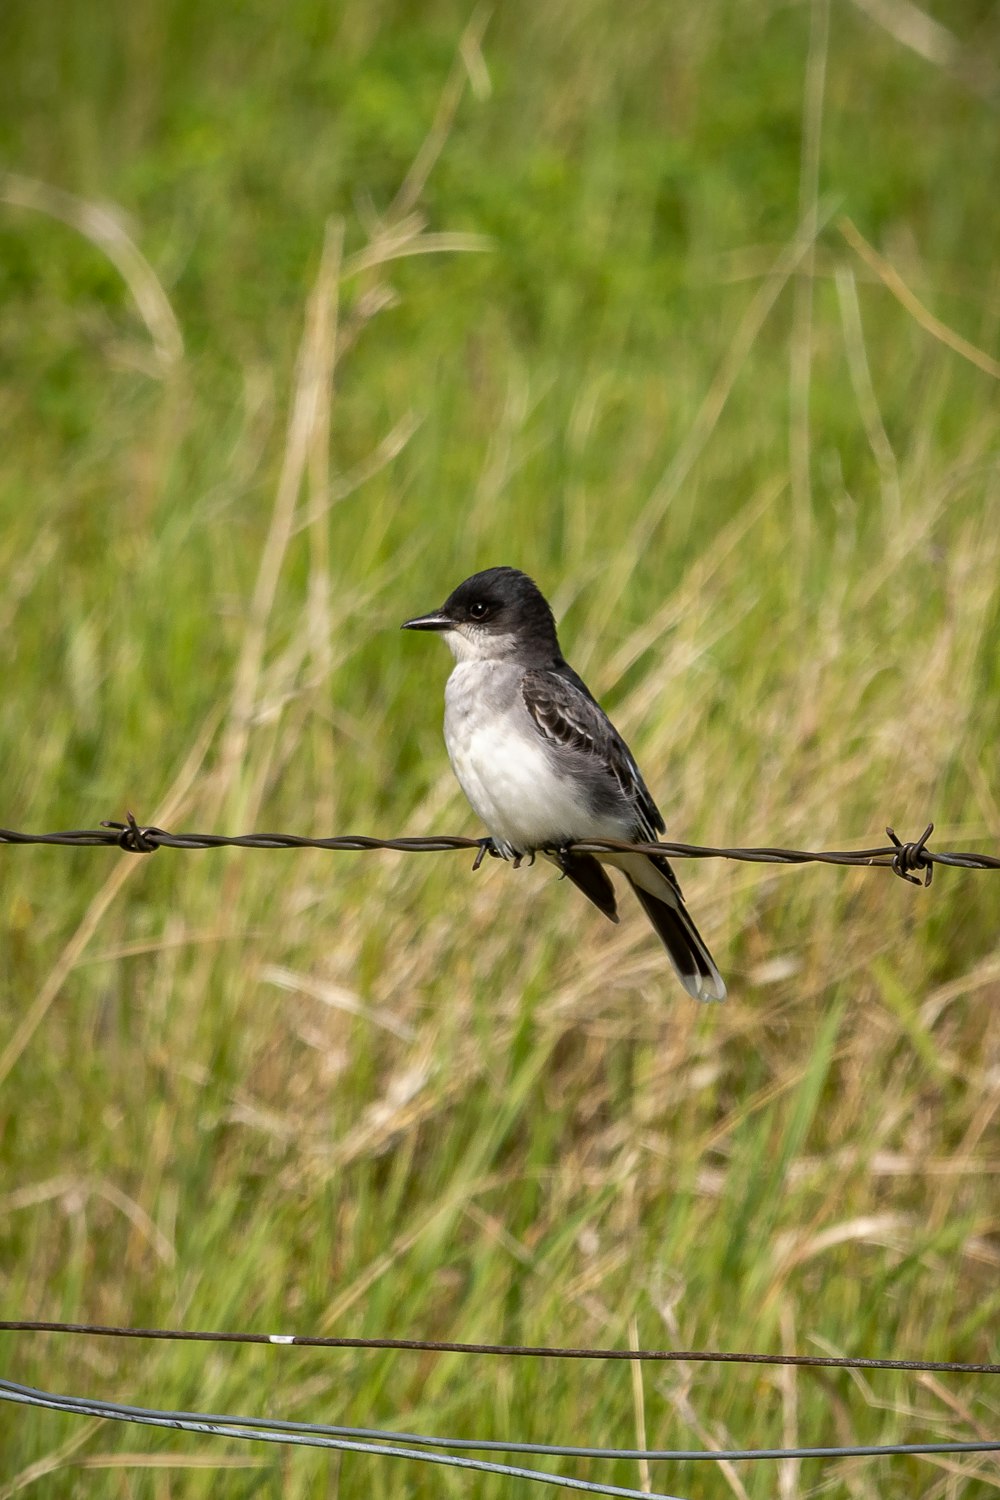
<point x="542" y="764"/>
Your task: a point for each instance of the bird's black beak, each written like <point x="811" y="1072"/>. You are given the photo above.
<point x="437" y="620"/>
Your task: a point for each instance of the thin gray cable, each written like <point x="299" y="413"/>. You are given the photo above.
<point x="276" y="1425"/>
<point x="262" y="1432"/>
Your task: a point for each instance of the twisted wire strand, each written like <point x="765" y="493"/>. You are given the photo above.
<point x="375" y="1439"/>
<point x="909" y="859"/>
<point x="258" y="1430"/>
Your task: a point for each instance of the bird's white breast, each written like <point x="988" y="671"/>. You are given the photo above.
<point x="503" y="765"/>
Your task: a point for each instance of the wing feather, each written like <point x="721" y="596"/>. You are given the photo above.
<point x="566" y="714"/>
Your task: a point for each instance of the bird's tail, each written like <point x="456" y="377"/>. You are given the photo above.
<point x="591" y="878"/>
<point x="685" y="946"/>
<point x="659" y="894"/>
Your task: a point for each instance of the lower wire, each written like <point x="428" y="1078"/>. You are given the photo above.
<point x="374" y="1439"/>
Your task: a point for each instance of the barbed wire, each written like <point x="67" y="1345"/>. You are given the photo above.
<point x="386" y="1443"/>
<point x="530" y="1351"/>
<point x="908" y="859"/>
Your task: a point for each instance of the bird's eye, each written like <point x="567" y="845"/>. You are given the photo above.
<point x="478" y="610"/>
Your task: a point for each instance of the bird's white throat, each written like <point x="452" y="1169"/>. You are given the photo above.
<point x="472" y="643"/>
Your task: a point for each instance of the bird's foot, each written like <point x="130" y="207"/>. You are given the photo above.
<point x="560" y="854"/>
<point x="502" y="851"/>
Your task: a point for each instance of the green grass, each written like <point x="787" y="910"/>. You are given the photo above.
<point x="373" y="1094"/>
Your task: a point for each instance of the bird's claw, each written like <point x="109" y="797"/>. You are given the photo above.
<point x="501" y="851"/>
<point x="560" y="854"/>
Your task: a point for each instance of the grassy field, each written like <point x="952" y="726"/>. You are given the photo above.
<point x="692" y="312"/>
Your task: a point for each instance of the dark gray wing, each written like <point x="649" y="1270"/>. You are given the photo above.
<point x="565" y="713"/>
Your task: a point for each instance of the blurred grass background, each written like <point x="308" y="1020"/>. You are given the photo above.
<point x="306" y="312"/>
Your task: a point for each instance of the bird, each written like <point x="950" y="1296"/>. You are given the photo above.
<point x="543" y="766"/>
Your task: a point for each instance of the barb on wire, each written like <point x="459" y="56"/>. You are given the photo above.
<point x="904" y="858"/>
<point x="530" y="1351"/>
<point x="909" y="857"/>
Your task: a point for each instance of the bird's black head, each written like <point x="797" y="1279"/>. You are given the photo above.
<point x="497" y="613"/>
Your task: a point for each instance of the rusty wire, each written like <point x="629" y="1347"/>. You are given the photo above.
<point x="909" y="859"/>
